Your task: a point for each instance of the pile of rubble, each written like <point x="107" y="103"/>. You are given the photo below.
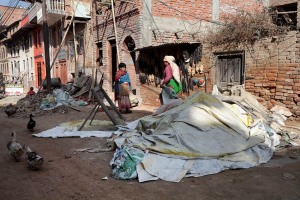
<point x="63" y="98"/>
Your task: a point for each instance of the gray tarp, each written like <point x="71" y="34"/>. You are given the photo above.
<point x="204" y="130"/>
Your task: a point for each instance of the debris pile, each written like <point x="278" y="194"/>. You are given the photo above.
<point x="80" y="87"/>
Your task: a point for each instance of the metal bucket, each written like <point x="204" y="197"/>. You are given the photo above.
<point x="55" y="83"/>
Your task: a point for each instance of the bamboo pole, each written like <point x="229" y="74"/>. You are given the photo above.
<point x="75" y="51"/>
<point x="115" y="29"/>
<point x="75" y="46"/>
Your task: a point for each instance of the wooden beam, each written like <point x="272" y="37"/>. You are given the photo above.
<point x="287" y="12"/>
<point x="111" y="117"/>
<point x="46" y="46"/>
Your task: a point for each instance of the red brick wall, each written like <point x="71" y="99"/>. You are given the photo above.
<point x="186" y="9"/>
<point x="277" y="85"/>
<point x="275" y="72"/>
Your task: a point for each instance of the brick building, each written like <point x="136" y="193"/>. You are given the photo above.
<point x="8" y="16"/>
<point x="73" y="54"/>
<point x="149" y="30"/>
<point x="270" y="69"/>
<point x="275" y="71"/>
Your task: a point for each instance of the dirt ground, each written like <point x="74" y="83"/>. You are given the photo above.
<point x="66" y="175"/>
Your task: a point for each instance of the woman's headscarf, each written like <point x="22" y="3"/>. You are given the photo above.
<point x="174" y="66"/>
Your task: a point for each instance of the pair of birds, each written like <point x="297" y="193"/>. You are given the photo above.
<point x="16" y="150"/>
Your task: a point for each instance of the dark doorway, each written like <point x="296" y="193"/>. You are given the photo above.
<point x="113" y="61"/>
<point x="39" y="70"/>
<point x="130" y="44"/>
<point x="99" y="59"/>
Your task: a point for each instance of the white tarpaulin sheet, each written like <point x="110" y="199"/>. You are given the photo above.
<point x="69" y="129"/>
<point x="199" y="137"/>
<point x="58" y="132"/>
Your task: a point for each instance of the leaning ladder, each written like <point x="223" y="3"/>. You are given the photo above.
<point x="100" y="94"/>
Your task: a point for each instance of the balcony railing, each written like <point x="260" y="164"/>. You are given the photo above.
<point x="55" y="10"/>
<point x="56" y="6"/>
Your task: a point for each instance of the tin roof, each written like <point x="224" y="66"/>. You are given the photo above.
<point x="167" y="45"/>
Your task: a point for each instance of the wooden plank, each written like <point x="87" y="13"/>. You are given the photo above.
<point x="111" y="103"/>
<point x="95" y="107"/>
<point x="111" y="117"/>
<point x="95" y="112"/>
<point x="73" y="107"/>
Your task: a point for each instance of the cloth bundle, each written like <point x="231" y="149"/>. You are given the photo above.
<point x="124" y="89"/>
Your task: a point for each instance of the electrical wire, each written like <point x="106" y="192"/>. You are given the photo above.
<point x="9" y="15"/>
<point x="9" y="5"/>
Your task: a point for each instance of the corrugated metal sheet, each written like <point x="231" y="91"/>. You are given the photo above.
<point x="166" y="45"/>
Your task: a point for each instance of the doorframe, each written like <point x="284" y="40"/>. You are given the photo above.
<point x="218" y="55"/>
<point x="112" y="60"/>
<point x="39" y="73"/>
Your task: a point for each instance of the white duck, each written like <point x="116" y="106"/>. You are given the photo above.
<point x="14" y="148"/>
<point x="34" y="160"/>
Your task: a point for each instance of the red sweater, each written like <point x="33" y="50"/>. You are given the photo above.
<point x="168" y="74"/>
<point x="31" y="92"/>
<point x="119" y="73"/>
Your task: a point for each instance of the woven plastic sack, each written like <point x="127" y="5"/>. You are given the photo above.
<point x="125" y="161"/>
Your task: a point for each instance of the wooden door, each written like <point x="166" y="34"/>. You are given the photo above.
<point x="229" y="71"/>
<point x="39" y="73"/>
<point x="63" y="72"/>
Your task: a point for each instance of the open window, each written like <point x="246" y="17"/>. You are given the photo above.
<point x="285" y="15"/>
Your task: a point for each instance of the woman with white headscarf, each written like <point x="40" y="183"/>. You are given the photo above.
<point x="172" y="74"/>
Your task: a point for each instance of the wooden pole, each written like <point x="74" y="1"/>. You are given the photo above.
<point x="56" y="54"/>
<point x="94" y="67"/>
<point x="75" y="45"/>
<point x="115" y="28"/>
<point x="46" y="46"/>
